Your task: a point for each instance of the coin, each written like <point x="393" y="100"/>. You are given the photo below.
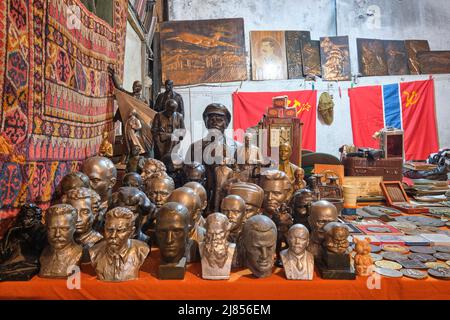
<point x="376" y="257"/>
<point x="422" y="257"/>
<point x="389" y="273"/>
<point x="445" y="249"/>
<point x="388" y="264"/>
<point x="374" y="248"/>
<point x="418" y="249"/>
<point x="441" y="273"/>
<point x="379" y="229"/>
<point x="439" y="264"/>
<point x="394" y="256"/>
<point x="414" y="274"/>
<point x="442" y="256"/>
<point x="395" y="248"/>
<point x="412" y="264"/>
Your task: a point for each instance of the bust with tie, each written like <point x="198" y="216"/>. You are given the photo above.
<point x="118" y="257"/>
<point x="298" y="263"/>
<point x="62" y="253"/>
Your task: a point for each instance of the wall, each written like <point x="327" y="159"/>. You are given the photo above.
<point x="133" y="58"/>
<point x="422" y="19"/>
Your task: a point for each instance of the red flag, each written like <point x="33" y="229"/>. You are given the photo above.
<point x="419" y="119"/>
<point x="366" y="106"/>
<point x="249" y="107"/>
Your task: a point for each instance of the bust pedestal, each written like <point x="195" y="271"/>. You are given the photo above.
<point x="336" y="266"/>
<point x="172" y="271"/>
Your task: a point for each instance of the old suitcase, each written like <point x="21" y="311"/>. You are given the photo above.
<point x="389" y="169"/>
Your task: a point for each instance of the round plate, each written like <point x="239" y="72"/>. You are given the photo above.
<point x="412" y="264"/>
<point x="374" y="248"/>
<point x="379" y="230"/>
<point x="394" y="256"/>
<point x="414" y="274"/>
<point x="422" y="257"/>
<point x="389" y="273"/>
<point x="376" y="257"/>
<point x="388" y="265"/>
<point x="395" y="248"/>
<point x="442" y="256"/>
<point x="440" y="273"/>
<point x="445" y="249"/>
<point x="418" y="249"/>
<point x="434" y="265"/>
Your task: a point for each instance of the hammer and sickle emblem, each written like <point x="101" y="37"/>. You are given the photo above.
<point x="411" y="98"/>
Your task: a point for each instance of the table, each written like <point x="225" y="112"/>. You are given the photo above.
<point x="241" y="286"/>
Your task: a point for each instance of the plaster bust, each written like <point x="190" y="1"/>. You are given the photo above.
<point x="298" y="263"/>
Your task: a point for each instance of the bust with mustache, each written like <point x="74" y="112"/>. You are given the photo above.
<point x="216" y="251"/>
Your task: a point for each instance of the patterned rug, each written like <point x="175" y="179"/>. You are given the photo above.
<point x="56" y="97"/>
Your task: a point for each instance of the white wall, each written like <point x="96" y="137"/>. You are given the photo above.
<point x="133" y="58"/>
<point x="422" y="19"/>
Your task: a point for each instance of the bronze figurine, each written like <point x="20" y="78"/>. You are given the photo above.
<point x="169" y="94"/>
<point x="259" y="237"/>
<point x="298" y="262"/>
<point x="137" y="86"/>
<point x="336" y="237"/>
<point x="301" y="206"/>
<point x="62" y="253"/>
<point x="215" y="250"/>
<point x="133" y="179"/>
<point x="195" y="172"/>
<point x="253" y="196"/>
<point x="233" y="206"/>
<point x="22" y="245"/>
<point x="222" y="173"/>
<point x="322" y="212"/>
<point x="137" y="135"/>
<point x="172" y="228"/>
<point x="153" y="167"/>
<point x="285" y="152"/>
<point x="164" y="126"/>
<point x="106" y="147"/>
<point x="190" y="199"/>
<point x="118" y="257"/>
<point x="135" y="162"/>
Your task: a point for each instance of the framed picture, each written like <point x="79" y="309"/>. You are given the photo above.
<point x="335" y="58"/>
<point x="203" y="51"/>
<point x="268" y="52"/>
<point x="369" y="187"/>
<point x="371" y="57"/>
<point x="396" y="57"/>
<point x="294" y="52"/>
<point x="311" y="58"/>
<point x="434" y="62"/>
<point x="412" y="48"/>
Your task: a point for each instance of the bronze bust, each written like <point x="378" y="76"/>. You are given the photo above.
<point x="259" y="237"/>
<point x="336" y="237"/>
<point x="301" y="206"/>
<point x="158" y="189"/>
<point x="253" y="196"/>
<point x="167" y="95"/>
<point x="201" y="192"/>
<point x="194" y="172"/>
<point x="172" y="227"/>
<point x="22" y="245"/>
<point x="118" y="257"/>
<point x="174" y="168"/>
<point x="62" y="253"/>
<point x="152" y="167"/>
<point x="233" y="206"/>
<point x="164" y="126"/>
<point x="322" y="213"/>
<point x="285" y="152"/>
<point x="70" y="181"/>
<point x="216" y="252"/>
<point x="133" y="179"/>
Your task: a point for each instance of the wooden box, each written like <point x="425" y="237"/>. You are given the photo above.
<point x="389" y="169"/>
<point x="397" y="198"/>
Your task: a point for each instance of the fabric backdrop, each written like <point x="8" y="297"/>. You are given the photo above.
<point x="249" y="107"/>
<point x="409" y="106"/>
<point x="56" y="96"/>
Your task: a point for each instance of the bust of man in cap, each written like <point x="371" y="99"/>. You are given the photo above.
<point x="167" y="95"/>
<point x="216" y="252"/>
<point x="253" y="196"/>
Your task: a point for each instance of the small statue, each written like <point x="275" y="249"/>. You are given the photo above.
<point x="136" y="162"/>
<point x="174" y="168"/>
<point x="223" y="173"/>
<point x="169" y="94"/>
<point x="82" y="199"/>
<point x="62" y="254"/>
<point x="164" y="125"/>
<point x="118" y="257"/>
<point x="136" y="134"/>
<point x="322" y="212"/>
<point x="250" y="160"/>
<point x="285" y="152"/>
<point x="253" y="196"/>
<point x="133" y="179"/>
<point x="103" y="176"/>
<point x="336" y="237"/>
<point x="106" y="147"/>
<point x="298" y="263"/>
<point x="22" y="245"/>
<point x="201" y="192"/>
<point x="299" y="183"/>
<point x="301" y="206"/>
<point x="325" y="109"/>
<point x="195" y="172"/>
<point x="137" y="86"/>
<point x="314" y="184"/>
<point x="363" y="259"/>
<point x="139" y="204"/>
<point x="215" y="250"/>
<point x="233" y="206"/>
<point x="172" y="227"/>
<point x="190" y="199"/>
<point x="153" y="167"/>
<point x="259" y="238"/>
<point x="277" y="188"/>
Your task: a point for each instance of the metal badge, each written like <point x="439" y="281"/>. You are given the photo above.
<point x="389" y="273"/>
<point x="413" y="264"/>
<point x="422" y="257"/>
<point x="414" y="274"/>
<point x="388" y="265"/>
<point x="427" y="250"/>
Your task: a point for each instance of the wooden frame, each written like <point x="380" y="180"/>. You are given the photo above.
<point x="397" y="198"/>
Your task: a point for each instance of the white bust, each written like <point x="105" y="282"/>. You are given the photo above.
<point x="298" y="263"/>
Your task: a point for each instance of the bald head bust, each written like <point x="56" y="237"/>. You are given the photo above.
<point x="102" y="175"/>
